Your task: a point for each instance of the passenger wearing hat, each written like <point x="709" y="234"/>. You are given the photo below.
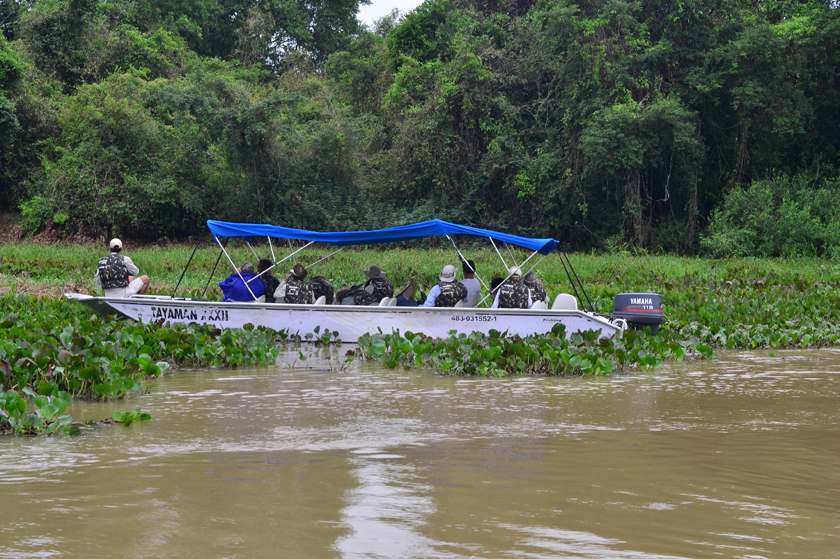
<point x="448" y="291"/>
<point x="294" y="290"/>
<point x="376" y="288"/>
<point x="116" y="274"/>
<point x="532" y="282"/>
<point x="512" y="294"/>
<point x="469" y="281"/>
<point x="243" y="286"/>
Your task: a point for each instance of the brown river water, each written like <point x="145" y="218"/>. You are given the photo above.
<point x="735" y="457"/>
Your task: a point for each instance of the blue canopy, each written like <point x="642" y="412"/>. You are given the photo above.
<point x="434" y="227"/>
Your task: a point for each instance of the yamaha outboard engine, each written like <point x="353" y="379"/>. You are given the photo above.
<point x="639" y="310"/>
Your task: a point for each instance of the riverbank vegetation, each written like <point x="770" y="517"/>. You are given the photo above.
<point x="664" y="126"/>
<point x="729" y="303"/>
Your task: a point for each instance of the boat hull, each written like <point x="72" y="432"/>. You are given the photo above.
<point x="351" y="322"/>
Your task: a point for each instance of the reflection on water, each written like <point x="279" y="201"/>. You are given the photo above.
<point x="737" y="457"/>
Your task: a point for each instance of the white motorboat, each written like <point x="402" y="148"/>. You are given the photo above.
<point x="352" y="321"/>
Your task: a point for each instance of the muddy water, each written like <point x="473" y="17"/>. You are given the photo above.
<point x="737" y="457"/>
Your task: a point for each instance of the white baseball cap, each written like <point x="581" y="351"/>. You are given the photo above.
<point x="116" y="243"/>
<point x="514" y="271"/>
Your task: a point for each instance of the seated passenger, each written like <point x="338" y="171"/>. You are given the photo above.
<point x="512" y="294"/>
<point x="294" y="290"/>
<point x="448" y="291"/>
<point x="320" y="286"/>
<point x="533" y="283"/>
<point x="116" y="274"/>
<point x="377" y="287"/>
<point x="495" y="283"/>
<point x="271" y="281"/>
<point x="234" y="287"/>
<point x="406" y="297"/>
<point x="469" y="281"/>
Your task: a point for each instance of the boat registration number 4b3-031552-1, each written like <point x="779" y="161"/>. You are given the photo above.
<point x="473" y="318"/>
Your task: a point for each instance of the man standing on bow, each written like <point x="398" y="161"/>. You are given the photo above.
<point x="116" y="274"/>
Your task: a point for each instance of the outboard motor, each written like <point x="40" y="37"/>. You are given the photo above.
<point x="639" y="310"/>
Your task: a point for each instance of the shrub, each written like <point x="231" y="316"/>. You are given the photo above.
<point x="787" y="216"/>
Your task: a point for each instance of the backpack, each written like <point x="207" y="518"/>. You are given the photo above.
<point x="513" y="295"/>
<point x="112" y="271"/>
<point x="320" y="286"/>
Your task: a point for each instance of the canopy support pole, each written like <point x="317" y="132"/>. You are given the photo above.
<point x="499" y="253"/>
<point x="195" y="248"/>
<point x="511" y="274"/>
<point x="239" y="273"/>
<point x="507" y="246"/>
<point x="281" y="261"/>
<point x="273" y="258"/>
<point x="531" y="269"/>
<point x="292" y="249"/>
<point x="324" y="258"/>
<point x="247" y="242"/>
<point x="580" y="283"/>
<point x="216" y="265"/>
<point x="465" y="261"/>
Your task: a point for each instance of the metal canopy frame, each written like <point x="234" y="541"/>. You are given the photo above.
<point x="570" y="271"/>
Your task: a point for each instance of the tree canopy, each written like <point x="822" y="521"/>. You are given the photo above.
<point x="603" y="123"/>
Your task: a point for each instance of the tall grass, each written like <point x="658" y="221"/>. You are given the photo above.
<point x="73" y="264"/>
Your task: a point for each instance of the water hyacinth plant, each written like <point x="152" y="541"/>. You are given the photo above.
<point x="500" y="354"/>
<point x="52" y="351"/>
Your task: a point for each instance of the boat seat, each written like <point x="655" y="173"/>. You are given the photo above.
<point x="539" y="305"/>
<point x="260" y="299"/>
<point x="384" y="302"/>
<point x="473" y="299"/>
<point x="322" y="300"/>
<point x="564" y="302"/>
<point x="460" y="304"/>
<point x="392" y="302"/>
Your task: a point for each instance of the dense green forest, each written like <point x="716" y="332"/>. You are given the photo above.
<point x="684" y="126"/>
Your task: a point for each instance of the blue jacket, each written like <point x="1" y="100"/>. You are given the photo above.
<point x="235" y="290"/>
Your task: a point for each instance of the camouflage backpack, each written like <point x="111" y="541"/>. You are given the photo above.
<point x="320" y="286"/>
<point x="450" y="293"/>
<point x="538" y="292"/>
<point x="112" y="271"/>
<point x="382" y="287"/>
<point x="297" y="292"/>
<point x="513" y="295"/>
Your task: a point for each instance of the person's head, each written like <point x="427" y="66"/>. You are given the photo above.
<point x="246" y="268"/>
<point x="115" y="245"/>
<point x="299" y="272"/>
<point x="375" y="272"/>
<point x="495" y="283"/>
<point x="469" y="268"/>
<point x="447" y="274"/>
<point x="263" y="265"/>
<point x="530" y="279"/>
<point x="515" y="273"/>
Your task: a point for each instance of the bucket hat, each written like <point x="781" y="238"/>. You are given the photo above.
<point x="375" y="272"/>
<point x="448" y="273"/>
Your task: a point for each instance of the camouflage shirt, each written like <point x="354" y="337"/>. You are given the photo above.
<point x="538" y="292"/>
<point x="320" y="286"/>
<point x="297" y="292"/>
<point x="271" y="284"/>
<point x="513" y="295"/>
<point x="450" y="293"/>
<point x="374" y="291"/>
